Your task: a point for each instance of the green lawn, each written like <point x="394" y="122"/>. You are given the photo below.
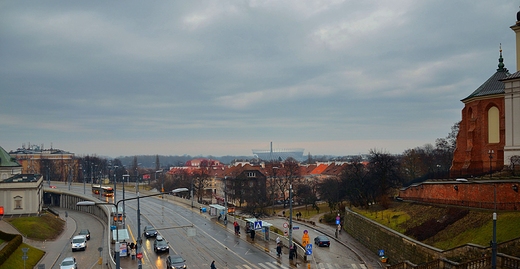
<point x="15" y="260"/>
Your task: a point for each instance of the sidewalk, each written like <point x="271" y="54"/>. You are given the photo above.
<point x="370" y="259"/>
<point x="52" y="248"/>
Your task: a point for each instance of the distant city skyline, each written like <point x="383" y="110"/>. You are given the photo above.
<point x="223" y="78"/>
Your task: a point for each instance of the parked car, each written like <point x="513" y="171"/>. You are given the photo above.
<point x="86" y="233"/>
<point x="322" y="241"/>
<point x="149" y="231"/>
<point x="69" y="263"/>
<point x="160" y="245"/>
<point x="79" y="242"/>
<point x="175" y="262"/>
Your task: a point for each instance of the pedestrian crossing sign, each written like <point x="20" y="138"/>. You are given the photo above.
<point x="258" y="225"/>
<point x="308" y="249"/>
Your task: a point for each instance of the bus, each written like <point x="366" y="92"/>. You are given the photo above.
<point x="102" y="190"/>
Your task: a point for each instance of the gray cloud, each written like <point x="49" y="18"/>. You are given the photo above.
<point x="223" y="77"/>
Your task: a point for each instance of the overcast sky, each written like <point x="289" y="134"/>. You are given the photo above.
<point x="116" y="78"/>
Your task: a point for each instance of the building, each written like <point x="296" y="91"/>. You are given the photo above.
<point x="480" y="141"/>
<point x="19" y="193"/>
<point x="8" y="165"/>
<point x="489" y="133"/>
<point x="278" y="154"/>
<point x="53" y="163"/>
<point x="512" y="105"/>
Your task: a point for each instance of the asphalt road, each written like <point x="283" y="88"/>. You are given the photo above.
<point x="89" y="257"/>
<point x="199" y="239"/>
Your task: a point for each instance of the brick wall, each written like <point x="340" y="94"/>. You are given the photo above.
<point x="471" y="194"/>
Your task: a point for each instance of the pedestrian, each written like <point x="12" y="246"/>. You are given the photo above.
<point x="132" y="253"/>
<point x="235" y="225"/>
<point x="213" y="265"/>
<point x="279" y="249"/>
<point x="295" y="251"/>
<point x="253" y="235"/>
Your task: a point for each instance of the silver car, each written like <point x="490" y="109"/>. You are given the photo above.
<point x="69" y="263"/>
<point x="79" y="242"/>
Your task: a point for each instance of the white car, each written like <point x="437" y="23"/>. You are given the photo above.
<point x="79" y="242"/>
<point x="69" y="263"/>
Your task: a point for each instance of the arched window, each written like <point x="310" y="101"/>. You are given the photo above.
<point x="493" y="125"/>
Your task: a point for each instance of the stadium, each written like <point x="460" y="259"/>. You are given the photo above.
<point x="278" y="154"/>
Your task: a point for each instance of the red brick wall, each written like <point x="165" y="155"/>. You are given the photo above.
<point x="471" y="156"/>
<point x="470" y="194"/>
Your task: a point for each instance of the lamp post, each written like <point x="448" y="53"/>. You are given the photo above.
<point x="116" y="205"/>
<point x="115" y="180"/>
<point x="494" y="236"/>
<point x="494" y="240"/>
<point x="490" y="152"/>
<point x="290" y="218"/>
<point x="225" y="200"/>
<point x="127" y="177"/>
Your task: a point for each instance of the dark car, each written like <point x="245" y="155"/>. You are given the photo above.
<point x="86" y="233"/>
<point x="322" y="241"/>
<point x="175" y="262"/>
<point x="160" y="245"/>
<point x="149" y="231"/>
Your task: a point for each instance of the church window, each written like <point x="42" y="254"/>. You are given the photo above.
<point x="493" y="125"/>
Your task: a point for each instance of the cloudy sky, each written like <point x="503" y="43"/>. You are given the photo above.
<point x="117" y="78"/>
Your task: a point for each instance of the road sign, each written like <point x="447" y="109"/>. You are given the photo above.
<point x="258" y="225"/>
<point x="285" y="224"/>
<point x="308" y="249"/>
<point x="296" y="228"/>
<point x="381" y="252"/>
<point x="139" y="255"/>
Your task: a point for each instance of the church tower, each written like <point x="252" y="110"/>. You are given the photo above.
<point x="481" y="137"/>
<point x="512" y="106"/>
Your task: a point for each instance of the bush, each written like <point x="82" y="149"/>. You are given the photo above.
<point x="11" y="247"/>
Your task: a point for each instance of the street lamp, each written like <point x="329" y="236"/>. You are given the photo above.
<point x="225" y="200"/>
<point x="116" y="205"/>
<point x="290" y="218"/>
<point x="494" y="238"/>
<point x="490" y="152"/>
<point x="115" y="180"/>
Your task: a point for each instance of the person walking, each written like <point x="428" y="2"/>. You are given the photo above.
<point x="279" y="249"/>
<point x="213" y="265"/>
<point x="253" y="235"/>
<point x="132" y="253"/>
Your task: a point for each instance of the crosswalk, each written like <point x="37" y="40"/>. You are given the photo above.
<point x="276" y="265"/>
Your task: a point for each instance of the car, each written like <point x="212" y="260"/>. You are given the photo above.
<point x="149" y="231"/>
<point x="69" y="263"/>
<point x="322" y="241"/>
<point x="175" y="262"/>
<point x="85" y="232"/>
<point x="79" y="242"/>
<point x="160" y="245"/>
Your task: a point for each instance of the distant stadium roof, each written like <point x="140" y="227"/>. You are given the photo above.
<point x="278" y="154"/>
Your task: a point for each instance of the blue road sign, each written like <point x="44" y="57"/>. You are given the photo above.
<point x="308" y="249"/>
<point x="337" y="221"/>
<point x="257" y="225"/>
<point x="112" y="227"/>
<point x="381" y="252"/>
